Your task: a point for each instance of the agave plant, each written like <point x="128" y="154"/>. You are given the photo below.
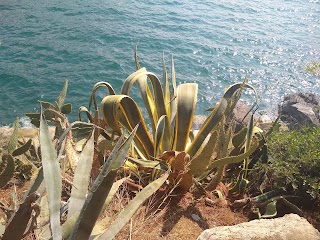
<point x="145" y="153"/>
<point x="15" y="160"/>
<point x="170" y="139"/>
<point x="86" y="201"/>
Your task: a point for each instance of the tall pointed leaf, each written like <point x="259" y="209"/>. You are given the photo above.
<point x="216" y="115"/>
<point x="166" y="87"/>
<point x="132" y="207"/>
<point x="120" y="110"/>
<point x="101" y="187"/>
<point x="159" y="135"/>
<point x="201" y="160"/>
<point x="173" y="104"/>
<point x="52" y="177"/>
<point x="67" y="226"/>
<point x="247" y="145"/>
<point x="62" y="95"/>
<point x="186" y="102"/>
<point x="93" y="93"/>
<point x="81" y="178"/>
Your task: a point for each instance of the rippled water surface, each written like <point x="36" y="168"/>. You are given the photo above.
<point x="215" y="43"/>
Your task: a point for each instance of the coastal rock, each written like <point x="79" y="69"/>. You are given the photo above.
<point x="300" y="109"/>
<point x="289" y="227"/>
<point x="198" y="120"/>
<point x="264" y="122"/>
<point x="242" y="115"/>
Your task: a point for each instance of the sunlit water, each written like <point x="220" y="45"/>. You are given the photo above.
<point x="214" y="43"/>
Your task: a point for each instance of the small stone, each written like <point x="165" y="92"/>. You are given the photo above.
<point x="195" y="217"/>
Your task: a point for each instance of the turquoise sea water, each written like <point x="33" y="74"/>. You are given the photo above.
<point x="215" y="43"/>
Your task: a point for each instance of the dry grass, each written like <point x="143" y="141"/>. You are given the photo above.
<point x="177" y="216"/>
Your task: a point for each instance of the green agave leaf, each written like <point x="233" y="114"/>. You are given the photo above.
<point x="145" y="93"/>
<point x="173" y="103"/>
<point x="234" y="159"/>
<point x="34" y="118"/>
<point x="68" y="225"/>
<point x="6" y="169"/>
<point x="100" y="189"/>
<point x="240" y="185"/>
<point x="155" y="104"/>
<point x="186" y="102"/>
<point x="23" y="149"/>
<point x="271" y="210"/>
<point x="84" y="109"/>
<point x="131" y="79"/>
<point x="148" y="100"/>
<point x="123" y="109"/>
<point x="216" y="115"/>
<point x="248" y="143"/>
<point x="158" y="94"/>
<point x="159" y="135"/>
<point x="265" y="196"/>
<point x="228" y="138"/>
<point x="66" y="108"/>
<point x="62" y="96"/>
<point x="13" y="141"/>
<point x="211" y="122"/>
<point x="173" y="77"/>
<point x="81" y="178"/>
<point x="239" y="138"/>
<point x="52" y="177"/>
<point x="132" y="207"/>
<point x="222" y="152"/>
<point x="93" y="93"/>
<point x="46" y="105"/>
<point x="140" y="78"/>
<point x="159" y="165"/>
<point x="167" y="97"/>
<point x="99" y="228"/>
<point x="222" y="143"/>
<point x="112" y="192"/>
<point x="201" y="160"/>
<point x="136" y="57"/>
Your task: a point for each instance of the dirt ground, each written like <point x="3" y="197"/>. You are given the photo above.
<point x="181" y="216"/>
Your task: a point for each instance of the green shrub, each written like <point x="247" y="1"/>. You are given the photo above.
<point x="314" y="68"/>
<point x="295" y="161"/>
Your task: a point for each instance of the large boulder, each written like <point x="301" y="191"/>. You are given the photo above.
<point x="289" y="227"/>
<point x="299" y="109"/>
